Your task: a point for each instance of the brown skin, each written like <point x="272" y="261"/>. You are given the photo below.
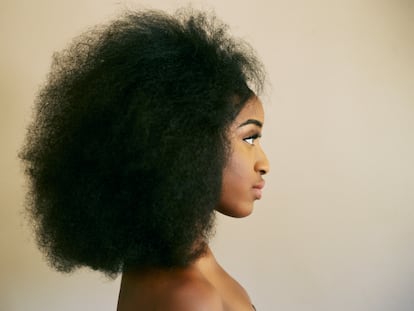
<point x="243" y="174"/>
<point x="204" y="285"/>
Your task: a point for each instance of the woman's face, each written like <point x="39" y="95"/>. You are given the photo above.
<point x="243" y="174"/>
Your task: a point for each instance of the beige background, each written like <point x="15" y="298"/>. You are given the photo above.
<point x="335" y="229"/>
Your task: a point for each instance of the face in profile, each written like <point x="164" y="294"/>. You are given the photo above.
<point x="243" y="175"/>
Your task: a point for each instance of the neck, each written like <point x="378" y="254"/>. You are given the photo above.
<point x="208" y="266"/>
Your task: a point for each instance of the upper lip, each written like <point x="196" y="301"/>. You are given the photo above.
<point x="259" y="185"/>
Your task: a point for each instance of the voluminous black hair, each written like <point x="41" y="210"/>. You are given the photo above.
<point x="127" y="147"/>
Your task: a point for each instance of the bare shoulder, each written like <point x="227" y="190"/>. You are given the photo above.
<point x="190" y="294"/>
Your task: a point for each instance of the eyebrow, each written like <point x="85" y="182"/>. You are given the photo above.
<point x="252" y="121"/>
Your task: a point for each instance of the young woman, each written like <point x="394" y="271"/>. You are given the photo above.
<point x="145" y="128"/>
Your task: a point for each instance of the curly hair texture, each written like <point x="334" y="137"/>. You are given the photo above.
<point x="128" y="143"/>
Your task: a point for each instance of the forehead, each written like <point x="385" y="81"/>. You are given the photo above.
<point x="252" y="110"/>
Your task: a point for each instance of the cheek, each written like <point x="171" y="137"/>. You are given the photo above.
<point x="237" y="170"/>
<point x="233" y="171"/>
<point x="236" y="199"/>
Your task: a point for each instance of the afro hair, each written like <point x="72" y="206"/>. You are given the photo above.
<point x="128" y="143"/>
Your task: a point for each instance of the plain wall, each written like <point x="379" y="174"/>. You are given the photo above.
<point x="335" y="229"/>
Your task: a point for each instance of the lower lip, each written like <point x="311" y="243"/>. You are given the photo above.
<point x="257" y="193"/>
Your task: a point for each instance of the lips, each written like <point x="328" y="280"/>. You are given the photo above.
<point x="260" y="185"/>
<point x="257" y="189"/>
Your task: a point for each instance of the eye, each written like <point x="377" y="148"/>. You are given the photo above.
<point x="250" y="140"/>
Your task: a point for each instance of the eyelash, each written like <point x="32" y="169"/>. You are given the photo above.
<point x="252" y="138"/>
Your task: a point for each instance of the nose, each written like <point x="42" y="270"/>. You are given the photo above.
<point x="262" y="164"/>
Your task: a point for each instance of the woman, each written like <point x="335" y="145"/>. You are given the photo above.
<point x="144" y="129"/>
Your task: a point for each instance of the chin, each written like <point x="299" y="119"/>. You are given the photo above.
<point x="236" y="211"/>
